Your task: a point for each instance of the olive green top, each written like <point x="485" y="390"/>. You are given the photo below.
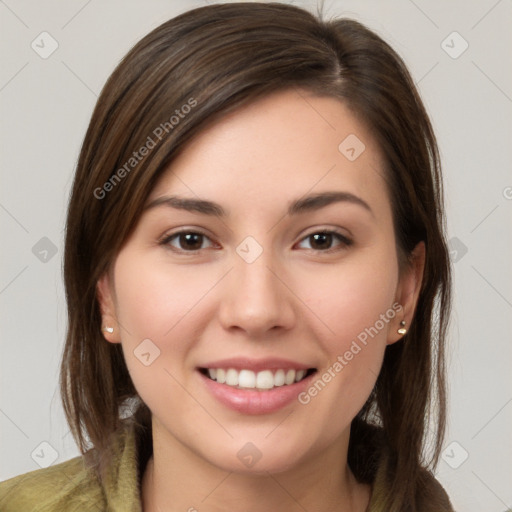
<point x="70" y="486"/>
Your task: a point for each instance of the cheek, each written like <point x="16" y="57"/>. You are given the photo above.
<point x="166" y="306"/>
<point x="156" y="311"/>
<point x="351" y="299"/>
<point x="356" y="306"/>
<point x="153" y="300"/>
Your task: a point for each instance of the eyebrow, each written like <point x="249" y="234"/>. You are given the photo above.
<point x="302" y="205"/>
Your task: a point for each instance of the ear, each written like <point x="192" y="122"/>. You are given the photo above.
<point x="105" y="296"/>
<point x="408" y="291"/>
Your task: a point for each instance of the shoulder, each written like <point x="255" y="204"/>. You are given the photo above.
<point x="65" y="486"/>
<point x="73" y="486"/>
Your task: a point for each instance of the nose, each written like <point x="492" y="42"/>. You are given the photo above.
<point x="256" y="298"/>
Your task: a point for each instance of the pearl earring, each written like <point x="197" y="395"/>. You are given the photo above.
<point x="110" y="330"/>
<point x="402" y="329"/>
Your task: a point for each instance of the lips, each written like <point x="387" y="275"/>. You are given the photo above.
<point x="252" y="386"/>
<point x="256" y="365"/>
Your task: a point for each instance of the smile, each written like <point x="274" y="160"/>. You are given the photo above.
<point x="262" y="380"/>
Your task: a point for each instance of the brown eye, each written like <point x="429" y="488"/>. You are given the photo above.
<point x="185" y="241"/>
<point x="323" y="241"/>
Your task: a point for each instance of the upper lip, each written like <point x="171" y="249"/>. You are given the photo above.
<point x="243" y="363"/>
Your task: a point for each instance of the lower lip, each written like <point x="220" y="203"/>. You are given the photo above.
<point x="255" y="402"/>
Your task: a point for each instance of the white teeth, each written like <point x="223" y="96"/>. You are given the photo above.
<point x="263" y="380"/>
<point x="221" y="375"/>
<point x="247" y="379"/>
<point x="290" y="377"/>
<point x="279" y="378"/>
<point x="232" y="377"/>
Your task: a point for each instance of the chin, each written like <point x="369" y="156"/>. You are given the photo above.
<point x="249" y="460"/>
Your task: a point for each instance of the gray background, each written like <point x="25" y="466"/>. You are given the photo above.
<point x="45" y="108"/>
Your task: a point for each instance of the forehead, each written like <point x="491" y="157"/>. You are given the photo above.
<point x="283" y="146"/>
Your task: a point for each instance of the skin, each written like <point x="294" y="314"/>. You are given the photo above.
<point x="295" y="301"/>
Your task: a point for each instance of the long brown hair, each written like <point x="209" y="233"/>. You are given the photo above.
<point x="215" y="59"/>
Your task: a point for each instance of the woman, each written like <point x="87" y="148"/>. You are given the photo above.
<point x="257" y="277"/>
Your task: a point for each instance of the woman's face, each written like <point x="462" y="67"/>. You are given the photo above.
<point x="262" y="287"/>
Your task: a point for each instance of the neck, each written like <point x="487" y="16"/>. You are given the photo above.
<point x="177" y="479"/>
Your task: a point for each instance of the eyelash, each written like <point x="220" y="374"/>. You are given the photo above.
<point x="344" y="241"/>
